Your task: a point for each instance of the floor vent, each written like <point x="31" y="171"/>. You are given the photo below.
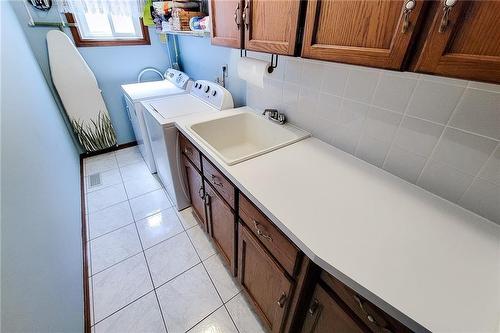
<point x="95" y="180"/>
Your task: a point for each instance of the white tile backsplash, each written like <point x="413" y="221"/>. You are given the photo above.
<point x="478" y="112"/>
<point x="439" y="133"/>
<point x="434" y="101"/>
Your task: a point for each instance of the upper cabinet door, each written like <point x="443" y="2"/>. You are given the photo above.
<point x="271" y="25"/>
<point x="373" y="33"/>
<point x="466" y="43"/>
<point x="227" y="25"/>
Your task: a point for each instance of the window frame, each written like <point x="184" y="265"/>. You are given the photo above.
<point x="81" y="42"/>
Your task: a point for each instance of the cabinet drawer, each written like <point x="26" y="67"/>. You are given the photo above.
<point x="190" y="151"/>
<point x="376" y="319"/>
<point x="285" y="252"/>
<point x="219" y="182"/>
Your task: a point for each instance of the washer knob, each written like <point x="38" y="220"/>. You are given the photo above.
<point x="207" y="89"/>
<point x="214" y="93"/>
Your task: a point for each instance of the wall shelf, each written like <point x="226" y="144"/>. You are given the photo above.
<point x="189" y="33"/>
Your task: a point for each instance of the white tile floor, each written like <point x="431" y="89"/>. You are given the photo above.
<point x="153" y="269"/>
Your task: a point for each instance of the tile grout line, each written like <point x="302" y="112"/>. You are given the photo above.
<point x="211" y="280"/>
<point x="477" y="176"/>
<point x="372" y="97"/>
<point x="429" y="158"/>
<point x="144" y="256"/>
<point x="398" y="128"/>
<point x="123" y="307"/>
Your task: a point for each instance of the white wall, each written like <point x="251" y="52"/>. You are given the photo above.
<point x="439" y="133"/>
<point x="41" y="254"/>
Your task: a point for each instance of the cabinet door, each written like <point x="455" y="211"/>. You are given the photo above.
<point x="325" y="315"/>
<point x="196" y="191"/>
<point x="369" y="32"/>
<point x="271" y="26"/>
<point x="466" y="45"/>
<point x="222" y="225"/>
<point x="227" y="27"/>
<point x="264" y="281"/>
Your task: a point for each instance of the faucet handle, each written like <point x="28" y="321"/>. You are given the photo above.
<point x="273" y="112"/>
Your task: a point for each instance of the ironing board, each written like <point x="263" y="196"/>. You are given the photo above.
<point x="77" y="87"/>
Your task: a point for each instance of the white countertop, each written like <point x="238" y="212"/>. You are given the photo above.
<point x="416" y="255"/>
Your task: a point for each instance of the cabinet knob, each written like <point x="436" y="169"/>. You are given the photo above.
<point x="282" y="300"/>
<point x="188" y="151"/>
<point x="445" y="20"/>
<point x="201" y="193"/>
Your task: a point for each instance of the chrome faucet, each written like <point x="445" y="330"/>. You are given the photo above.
<point x="275" y="115"/>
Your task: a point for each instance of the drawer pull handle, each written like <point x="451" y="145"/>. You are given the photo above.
<point x="201" y="193"/>
<point x="447" y="6"/>
<point x="188" y="151"/>
<point x="216" y="181"/>
<point x="236" y="20"/>
<point x="369" y="316"/>
<point x="314" y="307"/>
<point x="281" y="301"/>
<point x="409" y="5"/>
<point x="260" y="232"/>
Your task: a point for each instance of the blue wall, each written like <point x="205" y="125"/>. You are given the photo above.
<point x="41" y="245"/>
<point x="112" y="66"/>
<point x="201" y="60"/>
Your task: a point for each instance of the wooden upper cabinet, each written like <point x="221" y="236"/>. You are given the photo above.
<point x="369" y="32"/>
<point x="271" y="25"/>
<point x="227" y="26"/>
<point x="468" y="46"/>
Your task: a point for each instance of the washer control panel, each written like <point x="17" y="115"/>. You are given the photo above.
<point x="180" y="79"/>
<point x="213" y="94"/>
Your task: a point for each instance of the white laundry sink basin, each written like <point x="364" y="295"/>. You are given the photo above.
<point x="245" y="135"/>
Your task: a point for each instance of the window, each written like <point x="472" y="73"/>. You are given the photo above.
<point x="107" y="29"/>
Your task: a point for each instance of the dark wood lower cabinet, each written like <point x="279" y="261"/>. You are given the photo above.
<point x="265" y="282"/>
<point x="278" y="278"/>
<point x="222" y="226"/>
<point x="325" y="315"/>
<point x="196" y="191"/>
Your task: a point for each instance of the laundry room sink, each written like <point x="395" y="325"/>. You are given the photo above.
<point x="245" y="135"/>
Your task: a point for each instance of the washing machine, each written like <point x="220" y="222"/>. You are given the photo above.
<point x="175" y="82"/>
<point x="160" y="115"/>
